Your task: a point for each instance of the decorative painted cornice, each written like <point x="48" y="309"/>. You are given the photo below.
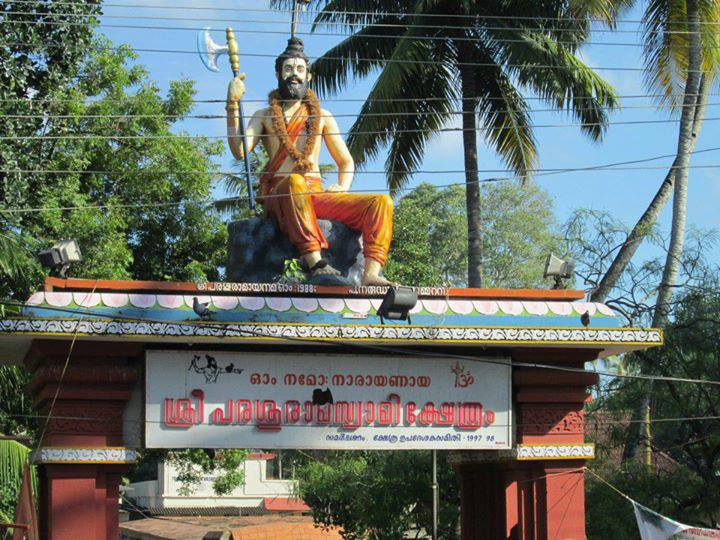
<point x="318" y="305"/>
<point x="78" y="456"/>
<point x="524" y="452"/>
<point x="585" y="337"/>
<point x="529" y="452"/>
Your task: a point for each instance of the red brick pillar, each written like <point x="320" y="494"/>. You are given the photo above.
<point x="81" y="457"/>
<point x="535" y="491"/>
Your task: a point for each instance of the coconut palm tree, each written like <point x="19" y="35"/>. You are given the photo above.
<point x="682" y="57"/>
<point x="435" y="59"/>
<point x="691" y="68"/>
<point x="680" y="66"/>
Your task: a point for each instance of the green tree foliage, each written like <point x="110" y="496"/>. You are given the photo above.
<point x="683" y="482"/>
<point x="172" y="234"/>
<point x="15" y="405"/>
<point x="193" y="463"/>
<point x="143" y="191"/>
<point x="379" y="495"/>
<point x="430" y="236"/>
<point x="38" y="61"/>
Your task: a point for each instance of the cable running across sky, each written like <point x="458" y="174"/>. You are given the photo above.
<point x="361" y="13"/>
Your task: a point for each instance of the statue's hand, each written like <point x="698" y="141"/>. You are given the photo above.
<point x="236" y="89"/>
<point x="337" y="188"/>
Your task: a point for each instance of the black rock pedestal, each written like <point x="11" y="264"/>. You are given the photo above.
<point x="257" y="250"/>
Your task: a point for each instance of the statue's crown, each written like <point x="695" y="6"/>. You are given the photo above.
<point x="295" y="49"/>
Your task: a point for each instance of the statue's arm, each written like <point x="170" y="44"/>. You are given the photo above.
<point x="254" y="129"/>
<point x="339" y="152"/>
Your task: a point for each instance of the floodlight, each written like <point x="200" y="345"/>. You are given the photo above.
<point x="397" y="303"/>
<point x="558" y="269"/>
<point x="59" y="257"/>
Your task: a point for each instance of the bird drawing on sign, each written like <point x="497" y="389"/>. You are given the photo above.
<point x="230" y="368"/>
<point x="585" y="319"/>
<point x="202" y="310"/>
<point x="211" y="370"/>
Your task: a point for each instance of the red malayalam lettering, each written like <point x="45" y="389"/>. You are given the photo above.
<point x="268" y="415"/>
<point x="180" y="413"/>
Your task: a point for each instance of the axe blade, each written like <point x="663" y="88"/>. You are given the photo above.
<point x="209" y="50"/>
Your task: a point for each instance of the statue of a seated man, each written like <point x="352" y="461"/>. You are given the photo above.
<point x="291" y="130"/>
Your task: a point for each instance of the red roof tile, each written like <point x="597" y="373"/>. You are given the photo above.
<point x="285" y="504"/>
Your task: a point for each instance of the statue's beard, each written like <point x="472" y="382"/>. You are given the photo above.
<point x="292" y="88"/>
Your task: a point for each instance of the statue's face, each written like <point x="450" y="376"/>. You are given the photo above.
<point x="293" y="79"/>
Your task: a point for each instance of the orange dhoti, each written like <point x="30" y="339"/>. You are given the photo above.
<point x="297" y="202"/>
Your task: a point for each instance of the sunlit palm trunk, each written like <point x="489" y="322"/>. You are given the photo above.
<point x="677" y="232"/>
<point x="472" y="185"/>
<point x="649" y="217"/>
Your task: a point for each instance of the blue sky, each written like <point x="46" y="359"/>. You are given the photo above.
<point x="625" y="194"/>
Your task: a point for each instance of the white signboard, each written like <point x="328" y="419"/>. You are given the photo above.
<point x="324" y="401"/>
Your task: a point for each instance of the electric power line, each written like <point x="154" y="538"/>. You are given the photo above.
<point x="339" y="100"/>
<point x="381" y="60"/>
<point x="361" y="13"/>
<point x="329" y="115"/>
<point x="66" y="364"/>
<point x="541" y="31"/>
<point x="538" y="172"/>
<point x="386" y="132"/>
<point x="587" y="416"/>
<point x="615" y="166"/>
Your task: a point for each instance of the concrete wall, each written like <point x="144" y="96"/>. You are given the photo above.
<point x="164" y="492"/>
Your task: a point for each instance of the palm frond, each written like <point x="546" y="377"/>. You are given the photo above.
<point x="335" y="67"/>
<point x="414" y="131"/>
<point x="666" y="47"/>
<point x="505" y="115"/>
<point x="349" y="14"/>
<point x="397" y="84"/>
<point x="569" y="84"/>
<point x="9" y="255"/>
<point x="13" y="457"/>
<point x="665" y="44"/>
<point x="607" y="12"/>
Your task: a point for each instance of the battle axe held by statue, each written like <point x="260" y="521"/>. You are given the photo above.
<point x="209" y="52"/>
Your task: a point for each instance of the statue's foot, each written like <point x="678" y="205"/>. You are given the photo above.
<point x="322" y="268"/>
<point x="376" y="281"/>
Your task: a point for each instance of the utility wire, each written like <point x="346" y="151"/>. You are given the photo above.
<point x="336" y="99"/>
<point x="379" y="60"/>
<point x="228" y="330"/>
<point x="386" y="132"/>
<point x="540" y="172"/>
<point x="588" y="421"/>
<point x="329" y="115"/>
<point x="66" y="364"/>
<point x="541" y="31"/>
<point x="278" y="11"/>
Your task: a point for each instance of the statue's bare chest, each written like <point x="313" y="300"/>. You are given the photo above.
<point x="271" y="137"/>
